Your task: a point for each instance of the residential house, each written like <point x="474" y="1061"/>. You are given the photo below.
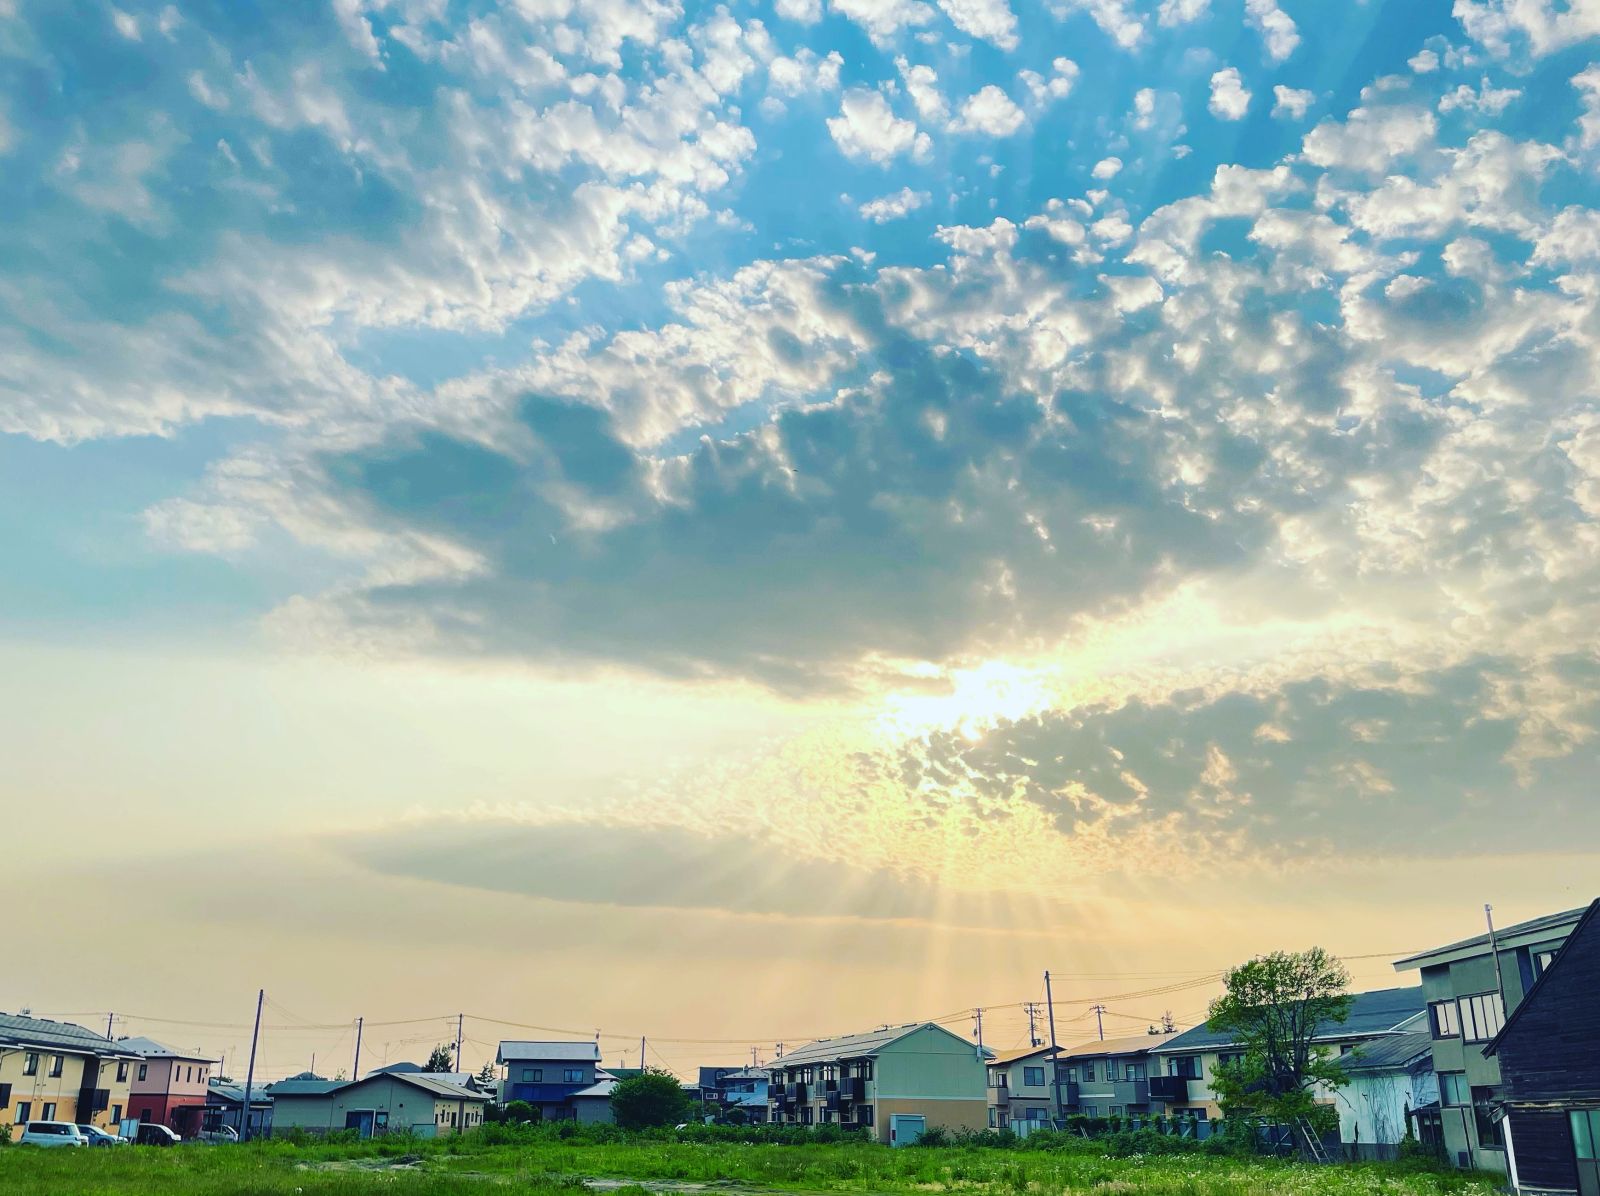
<point x="58" y="1071"/>
<point x="169" y="1085"/>
<point x="739" y="1092"/>
<point x="1389" y="1078"/>
<point x="1181" y="1085"/>
<point x="593" y="1104"/>
<point x="1470" y="987"/>
<point x="388" y="1102"/>
<point x="547" y="1075"/>
<point x="896" y="1081"/>
<point x="466" y="1079"/>
<point x="1019" y="1090"/>
<point x="1548" y="1053"/>
<point x="224" y="1102"/>
<point x="1110" y="1077"/>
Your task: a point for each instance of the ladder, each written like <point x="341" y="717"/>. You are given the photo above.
<point x="1313" y="1141"/>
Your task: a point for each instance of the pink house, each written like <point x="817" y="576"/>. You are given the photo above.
<point x="168" y="1086"/>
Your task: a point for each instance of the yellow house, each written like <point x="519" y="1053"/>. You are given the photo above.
<point x="56" y="1071"/>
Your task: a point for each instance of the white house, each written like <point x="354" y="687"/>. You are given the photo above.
<point x="1389" y="1077"/>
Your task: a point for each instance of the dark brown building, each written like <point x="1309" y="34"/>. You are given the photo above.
<point x="1549" y="1054"/>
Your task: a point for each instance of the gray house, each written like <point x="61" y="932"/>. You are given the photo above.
<point x="549" y="1075"/>
<point x="1470" y="989"/>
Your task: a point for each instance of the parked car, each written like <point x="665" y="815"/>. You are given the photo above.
<point x="95" y="1136"/>
<point x="151" y="1134"/>
<point x="219" y="1133"/>
<point x="51" y="1133"/>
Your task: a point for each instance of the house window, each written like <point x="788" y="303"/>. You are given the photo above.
<point x="48" y="1112"/>
<point x="1224" y="1058"/>
<point x="116" y="1114"/>
<point x="573" y="1075"/>
<point x="1072" y="1075"/>
<point x="24" y="1112"/>
<point x="1088" y="1073"/>
<point x="1185" y="1067"/>
<point x="30" y="1064"/>
<point x="1136" y="1071"/>
<point x="1490" y="1134"/>
<point x="1453" y="1088"/>
<point x="532" y="1075"/>
<point x="122" y="1071"/>
<point x="1033" y="1076"/>
<point x="1481" y="1017"/>
<point x="55" y="1068"/>
<point x="1111" y="1070"/>
<point x="1089" y="1110"/>
<point x="806" y="1115"/>
<point x="1116" y="1110"/>
<point x="864" y="1115"/>
<point x="1444" y="1020"/>
<point x="144" y="1070"/>
<point x="1585" y="1133"/>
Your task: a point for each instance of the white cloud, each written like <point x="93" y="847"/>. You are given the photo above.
<point x="357" y="29"/>
<point x="989" y="111"/>
<point x="1490" y="101"/>
<point x="1106" y="168"/>
<point x="807" y="12"/>
<point x="205" y="93"/>
<point x="805" y="72"/>
<point x="1044" y="91"/>
<point x="989" y="20"/>
<point x="1229" y="99"/>
<point x="127" y="24"/>
<point x="1370" y="139"/>
<point x="1290" y="103"/>
<point x="922" y="85"/>
<point x="866" y="128"/>
<point x="1545" y="25"/>
<point x="893" y="207"/>
<point x="1181" y="12"/>
<point x="1116" y="18"/>
<point x="1277" y="28"/>
<point x="884" y="19"/>
<point x="1423" y="62"/>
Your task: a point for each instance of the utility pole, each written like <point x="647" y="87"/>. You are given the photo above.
<point x="1494" y="950"/>
<point x="109" y="1016"/>
<point x="250" y="1073"/>
<point x="1100" y="1025"/>
<point x="978" y="1033"/>
<point x="459" y="1018"/>
<point x="1032" y="1008"/>
<point x="355" y="1068"/>
<point x="641" y="1052"/>
<point x="1055" y="1062"/>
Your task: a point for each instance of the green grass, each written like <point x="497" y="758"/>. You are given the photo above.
<point x="545" y="1167"/>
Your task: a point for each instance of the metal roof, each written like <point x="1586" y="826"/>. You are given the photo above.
<point x="235" y="1093"/>
<point x="151" y="1049"/>
<point x="1131" y="1044"/>
<point x="1010" y="1057"/>
<point x="18" y="1030"/>
<point x="854" y="1046"/>
<point x="1396" y="1052"/>
<point x="304" y="1087"/>
<point x="1378" y="1012"/>
<point x="602" y="1089"/>
<point x="433" y="1082"/>
<point x="1478" y="944"/>
<point x="584" y="1051"/>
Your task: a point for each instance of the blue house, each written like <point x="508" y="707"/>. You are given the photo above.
<point x="547" y="1075"/>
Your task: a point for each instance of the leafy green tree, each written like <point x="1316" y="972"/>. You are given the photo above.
<point x="486" y="1077"/>
<point x="440" y="1060"/>
<point x="651" y="1098"/>
<point x="520" y="1110"/>
<point x="1273" y="1009"/>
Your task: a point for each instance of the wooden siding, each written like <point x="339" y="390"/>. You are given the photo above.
<point x="1551" y="1052"/>
<point x="1543" y="1140"/>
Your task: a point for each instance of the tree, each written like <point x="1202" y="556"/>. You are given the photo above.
<point x="1273" y="1008"/>
<point x="651" y="1098"/>
<point x="440" y="1060"/>
<point x="520" y="1111"/>
<point x="486" y="1078"/>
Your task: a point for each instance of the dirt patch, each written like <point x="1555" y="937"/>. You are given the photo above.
<point x="404" y="1162"/>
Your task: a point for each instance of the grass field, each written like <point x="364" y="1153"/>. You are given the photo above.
<point x="560" y="1169"/>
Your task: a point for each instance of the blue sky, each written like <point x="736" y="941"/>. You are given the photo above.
<point x="899" y="434"/>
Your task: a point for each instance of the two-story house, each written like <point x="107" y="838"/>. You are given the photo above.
<point x="1019" y="1090"/>
<point x="1549" y="1058"/>
<point x="547" y="1075"/>
<point x="58" y="1071"/>
<point x="170" y="1085"/>
<point x="1181" y="1085"/>
<point x="737" y="1092"/>
<point x="1470" y="987"/>
<point x="897" y="1082"/>
<point x="1110" y="1077"/>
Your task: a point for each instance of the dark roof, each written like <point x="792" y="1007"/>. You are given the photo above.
<point x="582" y="1051"/>
<point x="430" y="1082"/>
<point x="234" y="1093"/>
<point x="395" y="1068"/>
<point x="19" y="1030"/>
<point x="1538" y="985"/>
<point x="1376" y="1012"/>
<point x="1006" y="1058"/>
<point x="1533" y="926"/>
<point x="1132" y="1044"/>
<point x="294" y="1086"/>
<point x="1396" y="1052"/>
<point x="853" y="1046"/>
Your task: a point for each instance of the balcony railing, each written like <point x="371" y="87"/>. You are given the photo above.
<point x="854" y="1088"/>
<point x="1171" y="1089"/>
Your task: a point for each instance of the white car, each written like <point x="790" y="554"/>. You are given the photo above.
<point x="51" y="1133"/>
<point x="95" y="1136"/>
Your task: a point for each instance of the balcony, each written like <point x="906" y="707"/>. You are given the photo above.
<point x="1069" y="1094"/>
<point x="796" y="1093"/>
<point x="1171" y="1089"/>
<point x="853" y="1089"/>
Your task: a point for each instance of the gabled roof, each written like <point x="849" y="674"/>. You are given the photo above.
<point x="857" y="1046"/>
<point x="20" y="1030"/>
<point x="1131" y="1044"/>
<point x="583" y="1051"/>
<point x="1006" y="1058"/>
<point x="433" y="1082"/>
<point x="1395" y="1052"/>
<point x="1590" y="915"/>
<point x="1381" y="1011"/>
<point x="151" y="1049"/>
<point x="297" y="1087"/>
<point x="1478" y="944"/>
<point x="395" y="1068"/>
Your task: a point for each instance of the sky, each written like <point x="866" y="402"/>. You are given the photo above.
<point x="735" y="522"/>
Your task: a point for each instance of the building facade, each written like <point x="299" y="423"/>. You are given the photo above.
<point x="547" y="1075"/>
<point x="1470" y="988"/>
<point x="737" y="1093"/>
<point x="58" y="1071"/>
<point x="1183" y="1067"/>
<point x="1549" y="1059"/>
<point x="1389" y="1079"/>
<point x="1019" y="1090"/>
<point x="383" y="1103"/>
<point x="169" y="1085"/>
<point x="225" y="1103"/>
<point x="895" y="1082"/>
<point x="1110" y="1078"/>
